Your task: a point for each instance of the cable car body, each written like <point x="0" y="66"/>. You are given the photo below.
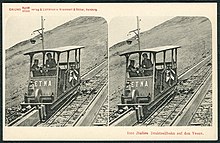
<point x="150" y="85"/>
<point x="49" y="85"/>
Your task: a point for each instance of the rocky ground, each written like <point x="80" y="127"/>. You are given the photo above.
<point x="203" y="115"/>
<point x="193" y="34"/>
<point x="90" y="32"/>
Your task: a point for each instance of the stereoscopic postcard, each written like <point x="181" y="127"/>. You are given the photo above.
<point x="143" y="71"/>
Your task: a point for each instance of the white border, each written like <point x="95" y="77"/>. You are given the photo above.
<point x="109" y="11"/>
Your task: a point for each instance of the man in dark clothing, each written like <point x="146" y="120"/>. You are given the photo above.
<point x="147" y="65"/>
<point x="50" y="63"/>
<point x="132" y="70"/>
<point x="35" y="68"/>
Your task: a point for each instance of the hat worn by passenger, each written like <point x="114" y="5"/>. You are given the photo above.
<point x="49" y="54"/>
<point x="144" y="54"/>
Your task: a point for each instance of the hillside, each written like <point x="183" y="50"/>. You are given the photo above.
<point x="90" y="32"/>
<point x="193" y="34"/>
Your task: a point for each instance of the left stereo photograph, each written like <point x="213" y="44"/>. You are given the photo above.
<point x="56" y="71"/>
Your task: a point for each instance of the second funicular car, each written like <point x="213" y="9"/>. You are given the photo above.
<point x="153" y="78"/>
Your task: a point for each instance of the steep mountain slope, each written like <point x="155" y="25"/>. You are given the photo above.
<point x="193" y="34"/>
<point x="90" y="32"/>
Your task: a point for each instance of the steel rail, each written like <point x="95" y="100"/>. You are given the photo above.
<point x="82" y="105"/>
<point x="187" y="102"/>
<point x="197" y="67"/>
<point x="204" y="97"/>
<point x="184" y="107"/>
<point x="179" y="103"/>
<point x="65" y="105"/>
<point x="22" y="116"/>
<point x="102" y="105"/>
<point x="84" y="111"/>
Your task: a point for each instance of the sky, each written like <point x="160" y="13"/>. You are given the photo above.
<point x="120" y="26"/>
<point x="20" y="28"/>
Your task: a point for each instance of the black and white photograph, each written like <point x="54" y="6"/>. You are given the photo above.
<point x="95" y="71"/>
<point x="56" y="77"/>
<point x="161" y="74"/>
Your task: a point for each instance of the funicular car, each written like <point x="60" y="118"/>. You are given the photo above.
<point x="53" y="73"/>
<point x="147" y="85"/>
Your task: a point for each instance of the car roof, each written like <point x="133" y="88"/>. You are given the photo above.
<point x="58" y="50"/>
<point x="151" y="50"/>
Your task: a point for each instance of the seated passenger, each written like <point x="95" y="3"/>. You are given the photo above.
<point x="35" y="68"/>
<point x="147" y="64"/>
<point x="50" y="63"/>
<point x="133" y="72"/>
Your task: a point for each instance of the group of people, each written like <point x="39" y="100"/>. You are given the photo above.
<point x="145" y="68"/>
<point x="50" y="63"/>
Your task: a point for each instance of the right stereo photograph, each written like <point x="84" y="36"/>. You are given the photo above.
<point x="160" y="71"/>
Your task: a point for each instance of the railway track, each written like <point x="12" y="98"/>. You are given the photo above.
<point x="97" y="113"/>
<point x="120" y="119"/>
<point x="22" y="117"/>
<point x="203" y="114"/>
<point x="114" y="113"/>
<point x="70" y="114"/>
<point x="91" y="111"/>
<point x="101" y="118"/>
<point x="186" y="90"/>
<point x="89" y="79"/>
<point x="167" y="113"/>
